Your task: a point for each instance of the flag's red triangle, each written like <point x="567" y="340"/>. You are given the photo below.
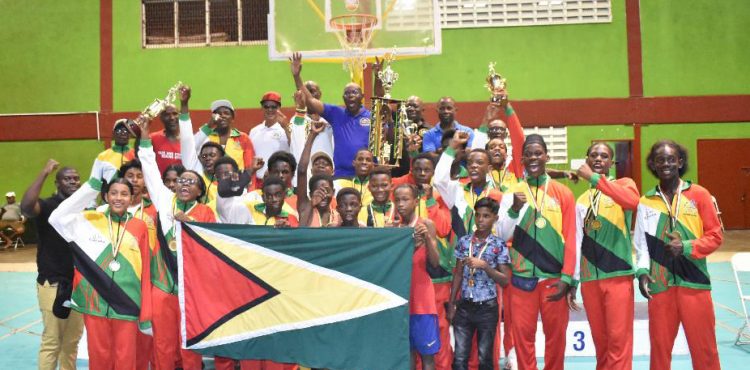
<point x="240" y="290"/>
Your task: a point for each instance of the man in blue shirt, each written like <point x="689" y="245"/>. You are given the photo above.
<point x="447" y="114"/>
<point x="351" y="124"/>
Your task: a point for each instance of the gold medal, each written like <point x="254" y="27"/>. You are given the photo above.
<point x="596" y="224"/>
<point x="471" y="282"/>
<point x="173" y="245"/>
<point x="540" y="223"/>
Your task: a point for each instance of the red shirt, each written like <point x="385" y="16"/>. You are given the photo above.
<point x="422" y="292"/>
<point x="167" y="152"/>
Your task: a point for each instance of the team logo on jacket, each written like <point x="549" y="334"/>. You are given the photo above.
<point x="364" y="121"/>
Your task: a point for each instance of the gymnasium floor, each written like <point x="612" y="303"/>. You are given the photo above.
<point x="20" y="321"/>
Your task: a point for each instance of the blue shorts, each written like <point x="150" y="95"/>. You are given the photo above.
<point x="424" y="335"/>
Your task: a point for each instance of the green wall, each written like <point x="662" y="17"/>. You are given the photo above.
<point x="50" y="56"/>
<point x="549" y="62"/>
<point x="22" y="161"/>
<point x="687" y="135"/>
<point x="50" y="62"/>
<point x="695" y="47"/>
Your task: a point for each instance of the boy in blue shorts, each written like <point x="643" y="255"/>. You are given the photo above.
<point x="481" y="261"/>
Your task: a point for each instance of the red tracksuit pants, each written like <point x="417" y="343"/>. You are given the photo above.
<point x="609" y="307"/>
<point x="111" y="343"/>
<point x="265" y="365"/>
<point x="525" y="308"/>
<point x="694" y="309"/>
<point x="166" y="323"/>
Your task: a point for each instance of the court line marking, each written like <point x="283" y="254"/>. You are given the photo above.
<point x="18" y="314"/>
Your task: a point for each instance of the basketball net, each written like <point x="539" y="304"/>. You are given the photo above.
<point x="354" y="32"/>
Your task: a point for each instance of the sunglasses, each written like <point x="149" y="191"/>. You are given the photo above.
<point x="185" y="181"/>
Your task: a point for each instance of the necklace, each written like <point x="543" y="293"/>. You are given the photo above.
<point x="540" y="222"/>
<point x="593" y="212"/>
<point x="483" y="243"/>
<point x="114" y="265"/>
<point x="386" y="220"/>
<point x="673" y="215"/>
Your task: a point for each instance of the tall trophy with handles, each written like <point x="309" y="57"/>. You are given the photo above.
<point x="495" y="84"/>
<point x="388" y="130"/>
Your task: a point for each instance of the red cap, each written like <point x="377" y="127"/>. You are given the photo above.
<point x="271" y="96"/>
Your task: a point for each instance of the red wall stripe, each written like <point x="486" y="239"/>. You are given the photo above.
<point x="635" y="64"/>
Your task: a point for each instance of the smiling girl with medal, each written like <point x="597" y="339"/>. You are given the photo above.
<point x="677" y="227"/>
<point x="538" y="214"/>
<point x="182" y="205"/>
<point x="604" y="216"/>
<point x="111" y="287"/>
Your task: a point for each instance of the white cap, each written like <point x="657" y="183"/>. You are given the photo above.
<point x="10" y="194"/>
<point x="221" y="103"/>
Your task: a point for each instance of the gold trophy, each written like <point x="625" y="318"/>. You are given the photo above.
<point x="388" y="131"/>
<point x="387" y="76"/>
<point x="495" y="84"/>
<point x="155" y="108"/>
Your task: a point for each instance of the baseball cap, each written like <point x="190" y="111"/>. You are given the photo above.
<point x="271" y="96"/>
<point x="221" y="103"/>
<point x="10" y="194"/>
<point x="323" y="155"/>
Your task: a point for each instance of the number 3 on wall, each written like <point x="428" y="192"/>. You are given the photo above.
<point x="580" y="344"/>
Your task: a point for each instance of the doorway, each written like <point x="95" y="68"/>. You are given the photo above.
<point x="727" y="178"/>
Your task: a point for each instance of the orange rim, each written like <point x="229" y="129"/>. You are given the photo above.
<point x="353" y="22"/>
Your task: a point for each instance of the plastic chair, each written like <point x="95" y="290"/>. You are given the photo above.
<point x="741" y="263"/>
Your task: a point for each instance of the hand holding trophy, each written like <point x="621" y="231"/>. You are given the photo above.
<point x="495" y="84"/>
<point x="154" y="109"/>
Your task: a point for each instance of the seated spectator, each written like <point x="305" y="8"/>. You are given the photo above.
<point x="11" y="219"/>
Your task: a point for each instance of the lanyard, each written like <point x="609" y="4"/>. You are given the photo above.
<point x="174" y="211"/>
<point x="386" y="220"/>
<point x="672" y="215"/>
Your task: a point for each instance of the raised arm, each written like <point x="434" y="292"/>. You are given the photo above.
<point x="313" y="105"/>
<point x="63" y="219"/>
<point x="30" y="202"/>
<point x="303" y="200"/>
<point x="188" y="150"/>
<point x="442" y="181"/>
<point x="160" y="195"/>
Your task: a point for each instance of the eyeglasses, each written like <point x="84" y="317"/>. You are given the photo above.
<point x="186" y="181"/>
<point x="270" y="106"/>
<point x="121" y="130"/>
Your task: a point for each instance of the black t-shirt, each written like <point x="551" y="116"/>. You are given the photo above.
<point x="54" y="258"/>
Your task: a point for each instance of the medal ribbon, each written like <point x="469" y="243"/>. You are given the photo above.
<point x="117" y="240"/>
<point x="673" y="214"/>
<point x="538" y="208"/>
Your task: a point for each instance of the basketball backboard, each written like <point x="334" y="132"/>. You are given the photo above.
<point x="410" y="27"/>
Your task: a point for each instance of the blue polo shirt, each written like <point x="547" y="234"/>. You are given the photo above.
<point x="350" y="134"/>
<point x="431" y="138"/>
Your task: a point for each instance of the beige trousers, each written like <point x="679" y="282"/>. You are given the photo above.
<point x="60" y="337"/>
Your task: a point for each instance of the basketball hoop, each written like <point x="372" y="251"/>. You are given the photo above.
<point x="354" y="32"/>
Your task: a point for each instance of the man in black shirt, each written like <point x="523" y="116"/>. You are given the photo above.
<point x="55" y="265"/>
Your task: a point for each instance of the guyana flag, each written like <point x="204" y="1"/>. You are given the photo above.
<point x="332" y="298"/>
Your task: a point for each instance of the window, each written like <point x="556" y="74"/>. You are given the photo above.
<point x="180" y="23"/>
<point x="556" y="139"/>
<point x="506" y="13"/>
